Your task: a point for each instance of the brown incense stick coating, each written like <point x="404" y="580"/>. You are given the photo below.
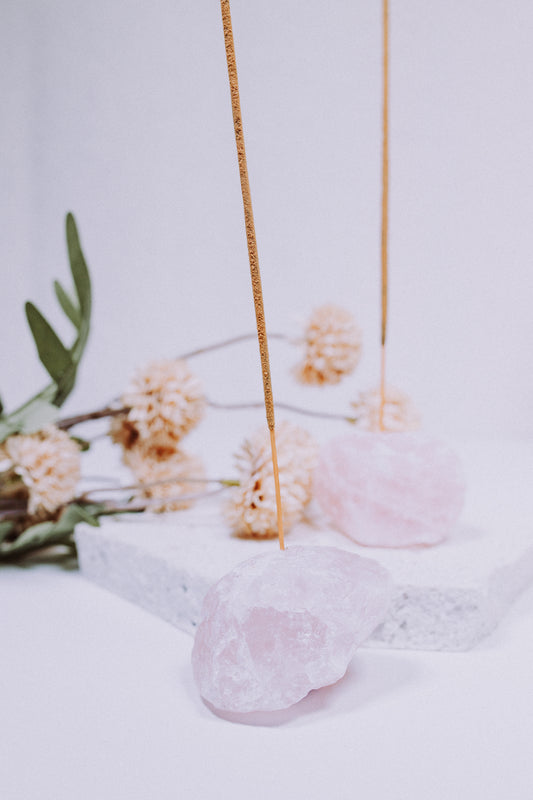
<point x="252" y="252"/>
<point x="248" y="212"/>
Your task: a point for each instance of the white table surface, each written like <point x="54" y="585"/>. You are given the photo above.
<point x="98" y="702"/>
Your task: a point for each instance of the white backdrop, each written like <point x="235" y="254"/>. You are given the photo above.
<point x="120" y="112"/>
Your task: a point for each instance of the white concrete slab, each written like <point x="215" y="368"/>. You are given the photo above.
<point x="447" y="597"/>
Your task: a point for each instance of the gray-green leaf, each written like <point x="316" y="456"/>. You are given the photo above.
<point x="5" y="528"/>
<point x="54" y="355"/>
<point x="78" y="267"/>
<point x="46" y="534"/>
<point x="67" y="304"/>
<point x="30" y="418"/>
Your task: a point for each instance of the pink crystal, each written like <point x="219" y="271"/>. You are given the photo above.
<point x="390" y="489"/>
<point x="283" y="623"/>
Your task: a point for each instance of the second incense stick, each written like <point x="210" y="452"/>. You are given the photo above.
<point x="384" y="207"/>
<point x="252" y="251"/>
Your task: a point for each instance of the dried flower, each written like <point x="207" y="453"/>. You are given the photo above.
<point x="252" y="508"/>
<point x="165" y="400"/>
<point x="399" y="413"/>
<point x="48" y="462"/>
<point x="333" y="342"/>
<point x="164" y="471"/>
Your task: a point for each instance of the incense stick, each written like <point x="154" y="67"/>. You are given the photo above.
<point x="384" y="207"/>
<point x="252" y="250"/>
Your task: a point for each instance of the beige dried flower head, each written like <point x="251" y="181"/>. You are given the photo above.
<point x="163" y="470"/>
<point x="48" y="462"/>
<point x="333" y="343"/>
<point x="399" y="413"/>
<point x="165" y="402"/>
<point x="251" y="511"/>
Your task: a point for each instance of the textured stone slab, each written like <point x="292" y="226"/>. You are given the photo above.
<point x="446" y="597"/>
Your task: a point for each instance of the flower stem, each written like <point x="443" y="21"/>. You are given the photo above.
<point x="107" y="411"/>
<point x="285" y="406"/>
<point x="158" y="501"/>
<point x="227" y="342"/>
<point x="13" y="514"/>
<point x="223" y="483"/>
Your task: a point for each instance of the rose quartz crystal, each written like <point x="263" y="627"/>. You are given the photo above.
<point x="283" y="623"/>
<point x="390" y="489"/>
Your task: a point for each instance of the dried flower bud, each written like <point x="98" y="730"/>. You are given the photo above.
<point x="164" y="471"/>
<point x="252" y="508"/>
<point x="332" y="341"/>
<point x="48" y="462"/>
<point x="165" y="401"/>
<point x="399" y="413"/>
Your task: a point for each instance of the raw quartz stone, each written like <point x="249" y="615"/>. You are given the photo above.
<point x="283" y="623"/>
<point x="390" y="489"/>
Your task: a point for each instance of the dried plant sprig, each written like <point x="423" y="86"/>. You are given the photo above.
<point x="394" y="411"/>
<point x="332" y="346"/>
<point x="251" y="509"/>
<point x="48" y="465"/>
<point x="164" y="401"/>
<point x="162" y="474"/>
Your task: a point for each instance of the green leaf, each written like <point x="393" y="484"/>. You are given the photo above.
<point x="83" y="444"/>
<point x="52" y="352"/>
<point x="85" y="513"/>
<point x="60" y="362"/>
<point x="35" y="416"/>
<point x="5" y="528"/>
<point x="31" y="417"/>
<point x="1" y="408"/>
<point x="78" y="267"/>
<point x="35" y="536"/>
<point x="46" y="534"/>
<point x="67" y="304"/>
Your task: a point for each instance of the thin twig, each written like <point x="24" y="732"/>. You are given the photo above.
<point x="13" y="514"/>
<point x="132" y="487"/>
<point x="227" y="342"/>
<point x="159" y="501"/>
<point x="107" y="411"/>
<point x="285" y="406"/>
